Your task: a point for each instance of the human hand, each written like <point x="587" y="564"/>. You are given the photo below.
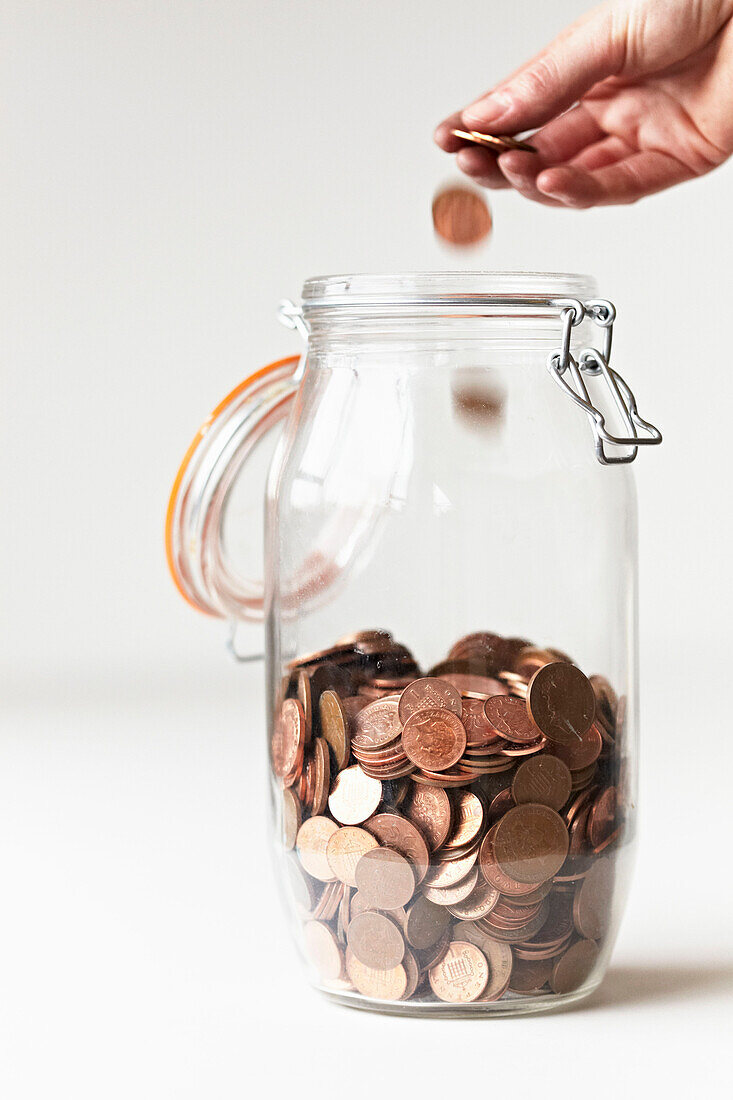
<point x="634" y="97"/>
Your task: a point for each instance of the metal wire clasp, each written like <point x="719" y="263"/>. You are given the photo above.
<point x="593" y="362"/>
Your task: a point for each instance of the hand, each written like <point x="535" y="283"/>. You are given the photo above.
<point x="634" y="97"/>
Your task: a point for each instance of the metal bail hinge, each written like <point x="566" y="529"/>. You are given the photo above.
<point x="593" y="363"/>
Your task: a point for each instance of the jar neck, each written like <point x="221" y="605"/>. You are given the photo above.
<point x="344" y="332"/>
<point x="440" y="308"/>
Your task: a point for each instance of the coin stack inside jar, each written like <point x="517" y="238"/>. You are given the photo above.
<point x="450" y="837"/>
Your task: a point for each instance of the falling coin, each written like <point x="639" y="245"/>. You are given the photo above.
<point x="461" y="216"/>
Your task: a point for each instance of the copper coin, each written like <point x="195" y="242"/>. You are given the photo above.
<point x="323" y="950"/>
<point x="529" y="749"/>
<point x="288" y="738"/>
<point x="478" y="687"/>
<point x="434" y="739"/>
<point x="435" y="953"/>
<point x="451" y="871"/>
<point x="468" y="819"/>
<point x="592" y="907"/>
<point x="429" y="693"/>
<point x="497" y="145"/>
<point x="530" y="658"/>
<point x="499" y="805"/>
<point x="580" y="753"/>
<point x="430" y="809"/>
<point x="291" y="817"/>
<point x="500" y="960"/>
<point x="376" y="940"/>
<point x="377" y="725"/>
<point x="335" y="728"/>
<point x="394" y="831"/>
<point x="318" y="657"/>
<point x="479" y="730"/>
<point x="306" y="701"/>
<point x="508" y="716"/>
<point x="602" y="818"/>
<point x="322" y="776"/>
<point x="574" y="967"/>
<point x="359" y="904"/>
<point x="410" y="964"/>
<point x="330" y="676"/>
<point x="452" y="895"/>
<point x="354" y="796"/>
<point x="312" y="841"/>
<point x="385" y="879"/>
<point x="606" y="697"/>
<point x="529" y="976"/>
<point x="543" y="779"/>
<point x="479" y="902"/>
<point x="375" y="636"/>
<point x="329" y="901"/>
<point x="493" y="873"/>
<point x="462" y="974"/>
<point x="461" y="216"/>
<point x="380" y="985"/>
<point x="583" y="777"/>
<point x="561" y="702"/>
<point x="515" y="931"/>
<point x="480" y="644"/>
<point x="538" y="894"/>
<point x="579" y="802"/>
<point x="614" y="836"/>
<point x="530" y="843"/>
<point x="344" y="850"/>
<point x="425" y="924"/>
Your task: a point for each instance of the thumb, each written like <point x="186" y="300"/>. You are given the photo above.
<point x="587" y="52"/>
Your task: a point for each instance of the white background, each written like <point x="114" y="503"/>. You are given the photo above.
<point x="170" y="170"/>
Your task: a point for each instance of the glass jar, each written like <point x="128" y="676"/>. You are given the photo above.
<point x="449" y="600"/>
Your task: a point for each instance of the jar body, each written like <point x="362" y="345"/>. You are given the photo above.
<point x="435" y="510"/>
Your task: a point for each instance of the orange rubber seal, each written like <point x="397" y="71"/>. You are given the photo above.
<point x="290" y="360"/>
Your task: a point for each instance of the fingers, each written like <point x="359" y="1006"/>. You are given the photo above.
<point x="482" y="167"/>
<point x="589" y="51"/>
<point x="632" y="178"/>
<point x="443" y="136"/>
<point x="556" y="143"/>
<point x="565" y="137"/>
<point x="479" y="164"/>
<point x="601" y="154"/>
<point x="559" y="141"/>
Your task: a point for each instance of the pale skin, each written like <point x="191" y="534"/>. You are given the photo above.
<point x="634" y="97"/>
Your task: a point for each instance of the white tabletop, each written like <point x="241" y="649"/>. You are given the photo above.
<point x="145" y="955"/>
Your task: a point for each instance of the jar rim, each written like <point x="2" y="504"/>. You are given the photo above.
<point x="492" y="289"/>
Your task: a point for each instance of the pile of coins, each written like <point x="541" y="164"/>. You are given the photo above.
<point x="450" y="837"/>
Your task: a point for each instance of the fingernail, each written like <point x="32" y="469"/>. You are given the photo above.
<point x="485" y="111"/>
